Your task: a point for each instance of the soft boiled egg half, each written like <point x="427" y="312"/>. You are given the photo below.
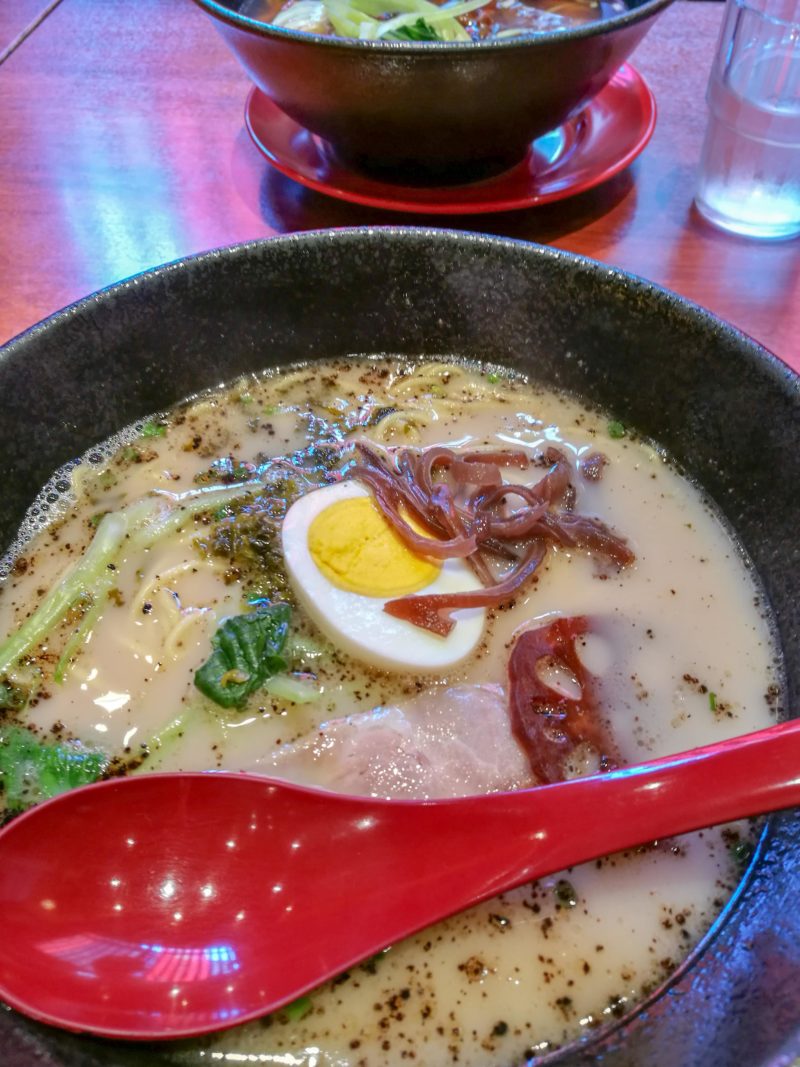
<point x="345" y="561"/>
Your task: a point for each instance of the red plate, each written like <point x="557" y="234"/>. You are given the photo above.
<point x="587" y="150"/>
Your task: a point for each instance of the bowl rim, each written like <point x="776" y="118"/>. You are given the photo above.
<point x="218" y="10"/>
<point x="397" y="234"/>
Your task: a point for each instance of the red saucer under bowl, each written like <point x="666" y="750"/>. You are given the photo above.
<point x="588" y="149"/>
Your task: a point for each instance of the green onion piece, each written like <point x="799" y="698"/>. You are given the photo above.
<point x="306" y="648"/>
<point x="153" y="429"/>
<point x="345" y="19"/>
<point x="298" y="1009"/>
<point x="712" y="700"/>
<point x="417" y="31"/>
<point x="84" y="628"/>
<point x="444" y="18"/>
<point x="305" y="15"/>
<point x="290" y="687"/>
<point x="82" y="577"/>
<point x="616" y="429"/>
<point x="161" y="522"/>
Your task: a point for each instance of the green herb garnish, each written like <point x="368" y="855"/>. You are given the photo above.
<point x="417" y="31"/>
<point x="298" y="1009"/>
<point x="246" y="651"/>
<point x="712" y="700"/>
<point x="492" y="378"/>
<point x="616" y="429"/>
<point x="153" y="429"/>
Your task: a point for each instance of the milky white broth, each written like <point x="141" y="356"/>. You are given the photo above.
<point x="541" y="965"/>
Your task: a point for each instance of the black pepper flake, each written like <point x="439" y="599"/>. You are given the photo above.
<point x="565" y="894"/>
<point x="502" y="922"/>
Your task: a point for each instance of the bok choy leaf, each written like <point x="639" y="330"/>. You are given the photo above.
<point x="32" y="770"/>
<point x="246" y="651"/>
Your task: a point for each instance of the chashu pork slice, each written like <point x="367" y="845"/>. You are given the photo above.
<point x="444" y="743"/>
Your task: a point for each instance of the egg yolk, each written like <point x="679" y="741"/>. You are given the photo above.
<point x="358" y="550"/>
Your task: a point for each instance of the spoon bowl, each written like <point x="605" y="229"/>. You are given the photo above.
<point x="175" y="905"/>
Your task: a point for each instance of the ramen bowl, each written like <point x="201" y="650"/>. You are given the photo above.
<point x="723" y="407"/>
<point x="426" y="112"/>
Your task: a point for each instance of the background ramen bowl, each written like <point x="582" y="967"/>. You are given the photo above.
<point x="725" y="409"/>
<point x="432" y="111"/>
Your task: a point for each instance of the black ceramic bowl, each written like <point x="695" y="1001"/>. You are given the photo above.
<point x="726" y="410"/>
<point x="432" y="111"/>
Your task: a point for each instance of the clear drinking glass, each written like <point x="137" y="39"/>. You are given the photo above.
<point x="749" y="178"/>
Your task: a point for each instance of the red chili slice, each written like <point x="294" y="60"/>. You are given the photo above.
<point x="547" y="724"/>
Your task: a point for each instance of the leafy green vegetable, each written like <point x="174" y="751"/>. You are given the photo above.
<point x="227" y="471"/>
<point x="292" y="688"/>
<point x="249" y="541"/>
<point x="91" y="570"/>
<point x="297" y="1009"/>
<point x="154" y="429"/>
<point x="246" y="534"/>
<point x="94" y="610"/>
<point x="32" y="770"/>
<point x="416" y="31"/>
<point x="139" y="525"/>
<point x="246" y="651"/>
<point x="12" y="698"/>
<point x="616" y="429"/>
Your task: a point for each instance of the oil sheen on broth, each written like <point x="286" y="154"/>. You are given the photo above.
<point x="677" y="641"/>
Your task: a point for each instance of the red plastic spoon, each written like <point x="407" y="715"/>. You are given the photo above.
<point x="174" y="905"/>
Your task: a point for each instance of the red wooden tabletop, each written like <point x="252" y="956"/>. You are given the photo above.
<point x="122" y="145"/>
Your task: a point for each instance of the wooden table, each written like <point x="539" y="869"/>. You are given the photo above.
<point x="122" y="145"/>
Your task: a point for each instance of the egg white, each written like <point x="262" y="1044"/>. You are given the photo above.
<point x="358" y="624"/>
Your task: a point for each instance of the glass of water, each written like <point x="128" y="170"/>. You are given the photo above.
<point x="749" y="178"/>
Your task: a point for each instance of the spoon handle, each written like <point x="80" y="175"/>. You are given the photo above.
<point x="522" y="836"/>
